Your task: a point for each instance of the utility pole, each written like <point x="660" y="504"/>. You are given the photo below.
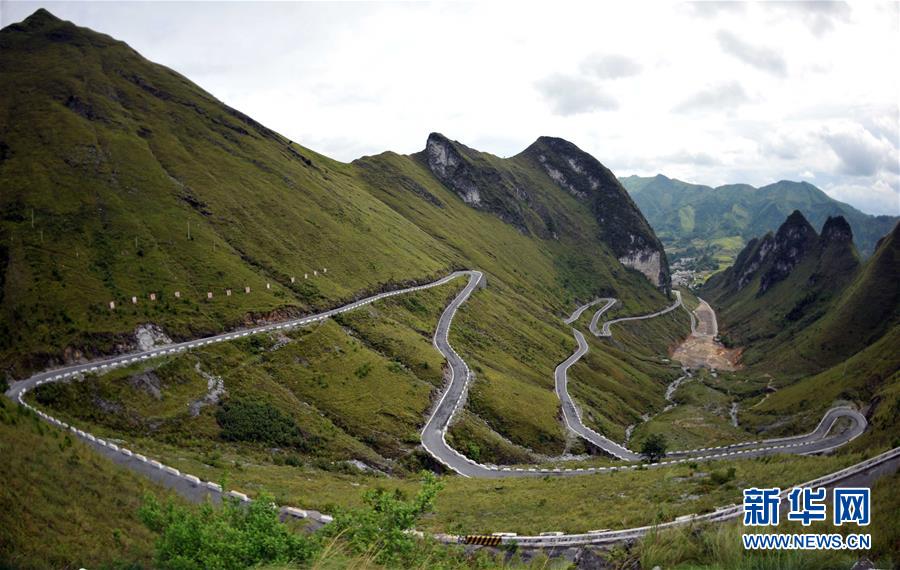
<point x="189" y="230"/>
<point x="32" y="218"/>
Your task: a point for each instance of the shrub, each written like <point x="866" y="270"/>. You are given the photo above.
<point x="363" y="371"/>
<point x="260" y="422"/>
<point x="234" y="536"/>
<point x="382" y="525"/>
<point x="722" y="476"/>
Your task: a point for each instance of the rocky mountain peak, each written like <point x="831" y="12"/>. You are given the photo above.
<point x="516" y="191"/>
<point x="623" y="226"/>
<point x="448" y="164"/>
<point x="793" y="240"/>
<point x="836" y="230"/>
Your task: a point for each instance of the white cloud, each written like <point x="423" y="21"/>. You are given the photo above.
<point x="610" y="66"/>
<point x="819" y="16"/>
<point x="760" y="57"/>
<point x="717" y="98"/>
<point x="572" y="95"/>
<point x="860" y="152"/>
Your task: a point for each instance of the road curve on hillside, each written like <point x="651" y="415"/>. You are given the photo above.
<point x="604" y="329"/>
<point x="806" y="444"/>
<point x="571" y="415"/>
<point x="451" y="399"/>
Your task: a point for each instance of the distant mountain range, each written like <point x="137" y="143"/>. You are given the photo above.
<point x="689" y="217"/>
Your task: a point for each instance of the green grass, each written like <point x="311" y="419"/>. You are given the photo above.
<point x="62" y="504"/>
<point x="719" y="546"/>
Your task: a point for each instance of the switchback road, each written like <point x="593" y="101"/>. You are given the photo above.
<point x="434" y="431"/>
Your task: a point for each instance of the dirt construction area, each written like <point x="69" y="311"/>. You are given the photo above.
<point x="701" y="348"/>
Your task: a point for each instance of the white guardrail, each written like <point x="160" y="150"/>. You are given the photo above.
<point x="546" y="539"/>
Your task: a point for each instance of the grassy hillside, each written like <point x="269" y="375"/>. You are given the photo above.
<point x="64" y="506"/>
<point x="717" y="222"/>
<point x="786" y="287"/>
<point x="824" y="335"/>
<point x="121" y="178"/>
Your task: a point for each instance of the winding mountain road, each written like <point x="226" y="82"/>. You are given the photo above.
<point x="806" y="444"/>
<point x="435" y="428"/>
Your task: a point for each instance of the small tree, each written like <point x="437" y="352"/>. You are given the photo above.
<point x="383" y="525"/>
<point x="654" y="447"/>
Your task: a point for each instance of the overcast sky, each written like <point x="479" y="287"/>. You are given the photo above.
<point x="711" y="93"/>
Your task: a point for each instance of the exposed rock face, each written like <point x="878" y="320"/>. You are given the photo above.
<point x="773" y="258"/>
<point x="648" y="262"/>
<point x="149" y="336"/>
<point x="836" y="230"/>
<point x="448" y="165"/>
<point x="751" y="259"/>
<point x="476" y="181"/>
<point x="147" y="382"/>
<point x="518" y="194"/>
<point x="795" y="237"/>
<point x="622" y="225"/>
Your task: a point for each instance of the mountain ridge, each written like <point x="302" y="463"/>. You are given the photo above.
<point x="741" y="210"/>
<point x="784" y="295"/>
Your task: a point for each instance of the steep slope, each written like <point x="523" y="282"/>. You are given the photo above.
<point x="123" y="179"/>
<point x="804" y="302"/>
<point x="855" y="346"/>
<point x="867" y="310"/>
<point x="64" y="505"/>
<point x="712" y="218"/>
<point x="520" y="192"/>
<point x="120" y="179"/>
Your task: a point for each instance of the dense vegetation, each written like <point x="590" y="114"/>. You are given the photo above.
<point x="243" y="420"/>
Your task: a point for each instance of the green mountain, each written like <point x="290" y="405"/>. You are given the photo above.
<point x="120" y="178"/>
<point x="821" y="329"/>
<point x="804" y="302"/>
<point x="717" y="222"/>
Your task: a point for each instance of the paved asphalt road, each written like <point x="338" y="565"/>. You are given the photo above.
<point x="604" y="330"/>
<point x="707" y="325"/>
<point x="435" y="428"/>
<point x="813" y="442"/>
<point x="433" y="433"/>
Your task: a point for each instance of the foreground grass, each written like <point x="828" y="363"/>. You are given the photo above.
<point x="63" y="505"/>
<point x="720" y="547"/>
